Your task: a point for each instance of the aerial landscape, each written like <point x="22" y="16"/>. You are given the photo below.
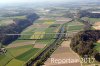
<point x="50" y="33"/>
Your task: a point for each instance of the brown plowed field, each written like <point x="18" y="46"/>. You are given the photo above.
<point x="97" y="26"/>
<point x="64" y="52"/>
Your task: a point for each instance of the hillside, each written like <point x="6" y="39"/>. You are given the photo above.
<point x="16" y="28"/>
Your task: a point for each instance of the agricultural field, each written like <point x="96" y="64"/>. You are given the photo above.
<point x="18" y="55"/>
<point x="29" y="31"/>
<point x="97" y="47"/>
<point x="9" y="20"/>
<point x="37" y="35"/>
<point x="20" y="51"/>
<point x="74" y="26"/>
<point x="27" y="45"/>
<point x="28" y="54"/>
<point x="22" y="58"/>
<point x="6" y="22"/>
<point x="15" y="62"/>
<point x="96" y="26"/>
<point x="16" y="51"/>
<point x="17" y="17"/>
<point x="45" y="20"/>
<point x="92" y="20"/>
<point x="48" y="38"/>
<point x="5" y="58"/>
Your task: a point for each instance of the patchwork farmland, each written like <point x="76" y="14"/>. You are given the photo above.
<point x="38" y="41"/>
<point x="74" y="27"/>
<point x="22" y="50"/>
<point x="50" y="33"/>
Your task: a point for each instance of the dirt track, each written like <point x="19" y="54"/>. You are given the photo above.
<point x="63" y="52"/>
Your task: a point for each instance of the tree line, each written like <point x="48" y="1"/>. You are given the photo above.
<point x="85" y="13"/>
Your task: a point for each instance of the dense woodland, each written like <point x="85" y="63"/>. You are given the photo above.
<point x="85" y="13"/>
<point x="83" y="43"/>
<point x="16" y="28"/>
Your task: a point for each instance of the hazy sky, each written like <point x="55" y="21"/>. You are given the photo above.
<point x="21" y="1"/>
<point x="13" y="1"/>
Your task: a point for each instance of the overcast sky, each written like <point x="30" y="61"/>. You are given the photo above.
<point x="13" y="1"/>
<point x="21" y="1"/>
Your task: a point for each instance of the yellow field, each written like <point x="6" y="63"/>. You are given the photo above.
<point x="48" y="22"/>
<point x="38" y="35"/>
<point x="15" y="62"/>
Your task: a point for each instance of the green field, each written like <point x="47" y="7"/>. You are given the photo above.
<point x="97" y="47"/>
<point x="29" y="31"/>
<point x="15" y="62"/>
<point x="92" y="20"/>
<point x="43" y="21"/>
<point x="5" y="58"/>
<point x="48" y="38"/>
<point x="18" y="55"/>
<point x="48" y="41"/>
<point x="19" y="50"/>
<point x="75" y="22"/>
<point x="76" y="27"/>
<point x="28" y="54"/>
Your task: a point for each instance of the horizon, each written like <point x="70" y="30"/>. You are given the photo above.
<point x="42" y="1"/>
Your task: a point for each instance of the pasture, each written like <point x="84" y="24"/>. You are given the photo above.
<point x="74" y="26"/>
<point x="92" y="20"/>
<point x="5" y="58"/>
<point x="16" y="51"/>
<point x="28" y="54"/>
<point x="15" y="62"/>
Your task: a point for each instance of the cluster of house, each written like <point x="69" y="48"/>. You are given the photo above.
<point x="2" y="51"/>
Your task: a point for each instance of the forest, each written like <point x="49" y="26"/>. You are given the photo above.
<point x="83" y="43"/>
